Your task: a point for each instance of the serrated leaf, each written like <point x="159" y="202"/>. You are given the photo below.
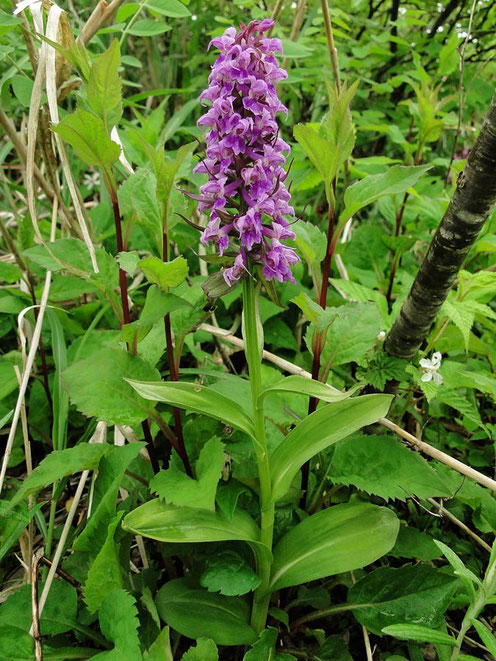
<point x="461" y="315"/>
<point x="104" y="575"/>
<point x="382" y="466"/>
<point x="9" y="272"/>
<point x="411" y="594"/>
<point x="119" y="623"/>
<point x="104" y="88"/>
<point x="228" y="573"/>
<point x="460" y="403"/>
<point x="396" y="179"/>
<point x="87" y="134"/>
<point x="264" y="648"/>
<point x="58" y="464"/>
<point x="138" y="199"/>
<point x="165" y="274"/>
<point x="317" y="149"/>
<point x="354" y="291"/>
<point x="97" y="386"/>
<point x="174" y="486"/>
<point x="204" y="650"/>
<point x="128" y="261"/>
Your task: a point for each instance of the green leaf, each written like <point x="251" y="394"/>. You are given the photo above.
<point x="168" y="523"/>
<point x="111" y="472"/>
<point x="468" y="578"/>
<point x="157" y="305"/>
<point x="196" y="613"/>
<point x="58" y="464"/>
<point x="382" y="466"/>
<point x="357" y="292"/>
<point x="228" y="573"/>
<point x="138" y="200"/>
<point x="8" y="22"/>
<point x="119" y="623"/>
<point x="160" y="650"/>
<point x="414" y="543"/>
<point x="352" y="334"/>
<point x="9" y="273"/>
<point x="104" y="88"/>
<point x="172" y="8"/>
<point x="174" y="486"/>
<point x="327" y="425"/>
<point x="164" y="274"/>
<point x="204" y="650"/>
<point x="411" y="594"/>
<point x="462" y="315"/>
<point x="486" y="636"/>
<point x="396" y="180"/>
<point x="337" y="125"/>
<point x="97" y="386"/>
<point x="264" y="648"/>
<point x="301" y="385"/>
<point x="105" y="574"/>
<point x="198" y="398"/>
<point x="419" y="633"/>
<point x="317" y="149"/>
<point x="87" y="134"/>
<point x="128" y="261"/>
<point x="147" y="27"/>
<point x="335" y="540"/>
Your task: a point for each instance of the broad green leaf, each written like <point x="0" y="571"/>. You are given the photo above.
<point x="196" y="613"/>
<point x="9" y="273"/>
<point x="157" y="305"/>
<point x="168" y="523"/>
<point x="58" y="464"/>
<point x="411" y="594"/>
<point x="172" y="8"/>
<point x="128" y="261"/>
<point x="486" y="636"/>
<point x="397" y="179"/>
<point x="311" y="242"/>
<point x="327" y="425"/>
<point x="8" y="22"/>
<point x="462" y="315"/>
<point x="354" y="291"/>
<point x="335" y="649"/>
<point x="419" y="633"/>
<point x="104" y="88"/>
<point x="383" y="466"/>
<point x="228" y="573"/>
<point x="174" y="486"/>
<point x="138" y="200"/>
<point x="164" y="274"/>
<point x="317" y="149"/>
<point x="335" y="540"/>
<point x="104" y="575"/>
<point x="301" y="385"/>
<point x="160" y="650"/>
<point x="87" y="134"/>
<point x="415" y="544"/>
<point x="119" y="623"/>
<point x="204" y="650"/>
<point x="18" y="645"/>
<point x="97" y="386"/>
<point x="198" y="398"/>
<point x="148" y="27"/>
<point x="351" y="335"/>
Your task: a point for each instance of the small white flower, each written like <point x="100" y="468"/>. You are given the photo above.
<point x="91" y="180"/>
<point x="381" y="336"/>
<point x="430" y="368"/>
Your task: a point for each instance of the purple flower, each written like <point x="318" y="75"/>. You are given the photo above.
<point x="246" y="193"/>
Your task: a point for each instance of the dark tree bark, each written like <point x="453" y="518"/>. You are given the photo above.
<point x="472" y="203"/>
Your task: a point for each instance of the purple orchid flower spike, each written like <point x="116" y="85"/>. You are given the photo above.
<point x="245" y="193"/>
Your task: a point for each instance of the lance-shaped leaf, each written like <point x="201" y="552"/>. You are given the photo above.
<point x="318" y="431"/>
<point x="168" y="523"/>
<point x="194" y="397"/>
<point x="317" y="149"/>
<point x="369" y="189"/>
<point x="196" y="613"/>
<point x="335" y="540"/>
<point x="104" y="89"/>
<point x="419" y="633"/>
<point x="301" y="385"/>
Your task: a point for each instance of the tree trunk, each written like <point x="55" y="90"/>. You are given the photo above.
<point x="469" y="208"/>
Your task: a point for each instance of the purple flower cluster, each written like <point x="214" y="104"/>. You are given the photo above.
<point x="245" y="192"/>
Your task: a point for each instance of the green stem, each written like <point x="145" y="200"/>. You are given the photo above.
<point x="253" y="336"/>
<point x="470" y="615"/>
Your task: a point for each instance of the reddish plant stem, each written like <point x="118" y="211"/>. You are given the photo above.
<point x="126" y="319"/>
<point x="319" y="337"/>
<point x="174" y="373"/>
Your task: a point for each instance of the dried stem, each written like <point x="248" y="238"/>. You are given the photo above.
<point x="38" y="651"/>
